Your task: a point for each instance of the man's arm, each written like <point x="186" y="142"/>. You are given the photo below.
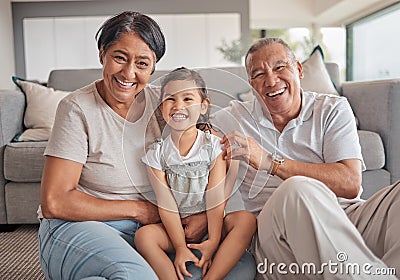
<point x="342" y="177"/>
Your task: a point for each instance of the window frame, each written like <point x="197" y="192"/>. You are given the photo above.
<point x="350" y="36"/>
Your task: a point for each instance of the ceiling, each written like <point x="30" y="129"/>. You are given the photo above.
<point x="266" y="14"/>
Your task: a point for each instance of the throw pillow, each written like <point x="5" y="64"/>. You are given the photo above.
<point x="316" y="77"/>
<point x="40" y="111"/>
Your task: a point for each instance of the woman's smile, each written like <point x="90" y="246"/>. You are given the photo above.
<point x="125" y="84"/>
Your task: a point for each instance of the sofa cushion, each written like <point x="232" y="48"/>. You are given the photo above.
<point x="221" y="93"/>
<point x="373" y="181"/>
<point x="41" y="106"/>
<point x="73" y="79"/>
<point x="24" y="161"/>
<point x="316" y="76"/>
<point x="22" y="201"/>
<point x="372" y="149"/>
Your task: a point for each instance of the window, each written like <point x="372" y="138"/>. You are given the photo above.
<point x="373" y="46"/>
<point x="333" y="43"/>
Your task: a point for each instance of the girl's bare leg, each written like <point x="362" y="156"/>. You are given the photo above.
<point x="239" y="228"/>
<point x="152" y="242"/>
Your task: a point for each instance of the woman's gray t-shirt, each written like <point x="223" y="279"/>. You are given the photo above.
<point x="86" y="130"/>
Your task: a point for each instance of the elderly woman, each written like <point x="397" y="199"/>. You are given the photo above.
<point x="92" y="204"/>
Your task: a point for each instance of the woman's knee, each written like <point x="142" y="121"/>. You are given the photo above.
<point x="86" y="249"/>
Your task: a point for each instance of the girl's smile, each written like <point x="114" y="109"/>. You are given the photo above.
<point x="182" y="104"/>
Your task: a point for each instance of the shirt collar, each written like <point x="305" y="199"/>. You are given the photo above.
<point x="307" y="105"/>
<point x="307" y="102"/>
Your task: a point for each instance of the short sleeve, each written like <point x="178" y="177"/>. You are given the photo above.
<point x="233" y="117"/>
<point x="341" y="138"/>
<point x="216" y="147"/>
<point x="153" y="156"/>
<point x="68" y="139"/>
<point x="222" y="121"/>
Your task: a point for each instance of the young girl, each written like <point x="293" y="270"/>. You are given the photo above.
<point x="187" y="172"/>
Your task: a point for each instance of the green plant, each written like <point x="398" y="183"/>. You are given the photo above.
<point x="233" y="51"/>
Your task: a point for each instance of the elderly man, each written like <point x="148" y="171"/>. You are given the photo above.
<point x="300" y="172"/>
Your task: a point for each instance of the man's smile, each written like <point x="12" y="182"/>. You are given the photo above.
<point x="275" y="93"/>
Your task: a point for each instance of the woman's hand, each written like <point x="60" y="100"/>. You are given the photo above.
<point x="146" y="212"/>
<point x="183" y="255"/>
<point x="195" y="227"/>
<point x="207" y="249"/>
<point x="238" y="146"/>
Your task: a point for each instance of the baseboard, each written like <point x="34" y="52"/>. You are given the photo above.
<point x="8" y="228"/>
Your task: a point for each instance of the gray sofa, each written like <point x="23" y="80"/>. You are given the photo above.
<point x="21" y="163"/>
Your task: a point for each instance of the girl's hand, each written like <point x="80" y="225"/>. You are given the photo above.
<point x="182" y="256"/>
<point x="207" y="249"/>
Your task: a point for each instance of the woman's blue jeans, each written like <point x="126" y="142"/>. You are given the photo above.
<point x="104" y="250"/>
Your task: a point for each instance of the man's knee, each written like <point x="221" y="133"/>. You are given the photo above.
<point x="300" y="187"/>
<point x="295" y="195"/>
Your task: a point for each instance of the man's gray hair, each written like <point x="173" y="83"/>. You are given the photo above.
<point x="263" y="42"/>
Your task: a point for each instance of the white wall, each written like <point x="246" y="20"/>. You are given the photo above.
<point x="34" y="9"/>
<point x="69" y="43"/>
<point x="65" y="43"/>
<point x="7" y="68"/>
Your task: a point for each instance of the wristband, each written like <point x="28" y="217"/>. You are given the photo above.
<point x="276" y="161"/>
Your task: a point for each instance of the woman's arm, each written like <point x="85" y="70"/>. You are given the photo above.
<point x="195" y="227"/>
<point x="61" y="199"/>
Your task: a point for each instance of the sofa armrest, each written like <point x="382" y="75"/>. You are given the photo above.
<point x="12" y="106"/>
<point x="376" y="105"/>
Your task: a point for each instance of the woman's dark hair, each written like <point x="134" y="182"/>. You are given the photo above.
<point x="185" y="74"/>
<point x="131" y="22"/>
